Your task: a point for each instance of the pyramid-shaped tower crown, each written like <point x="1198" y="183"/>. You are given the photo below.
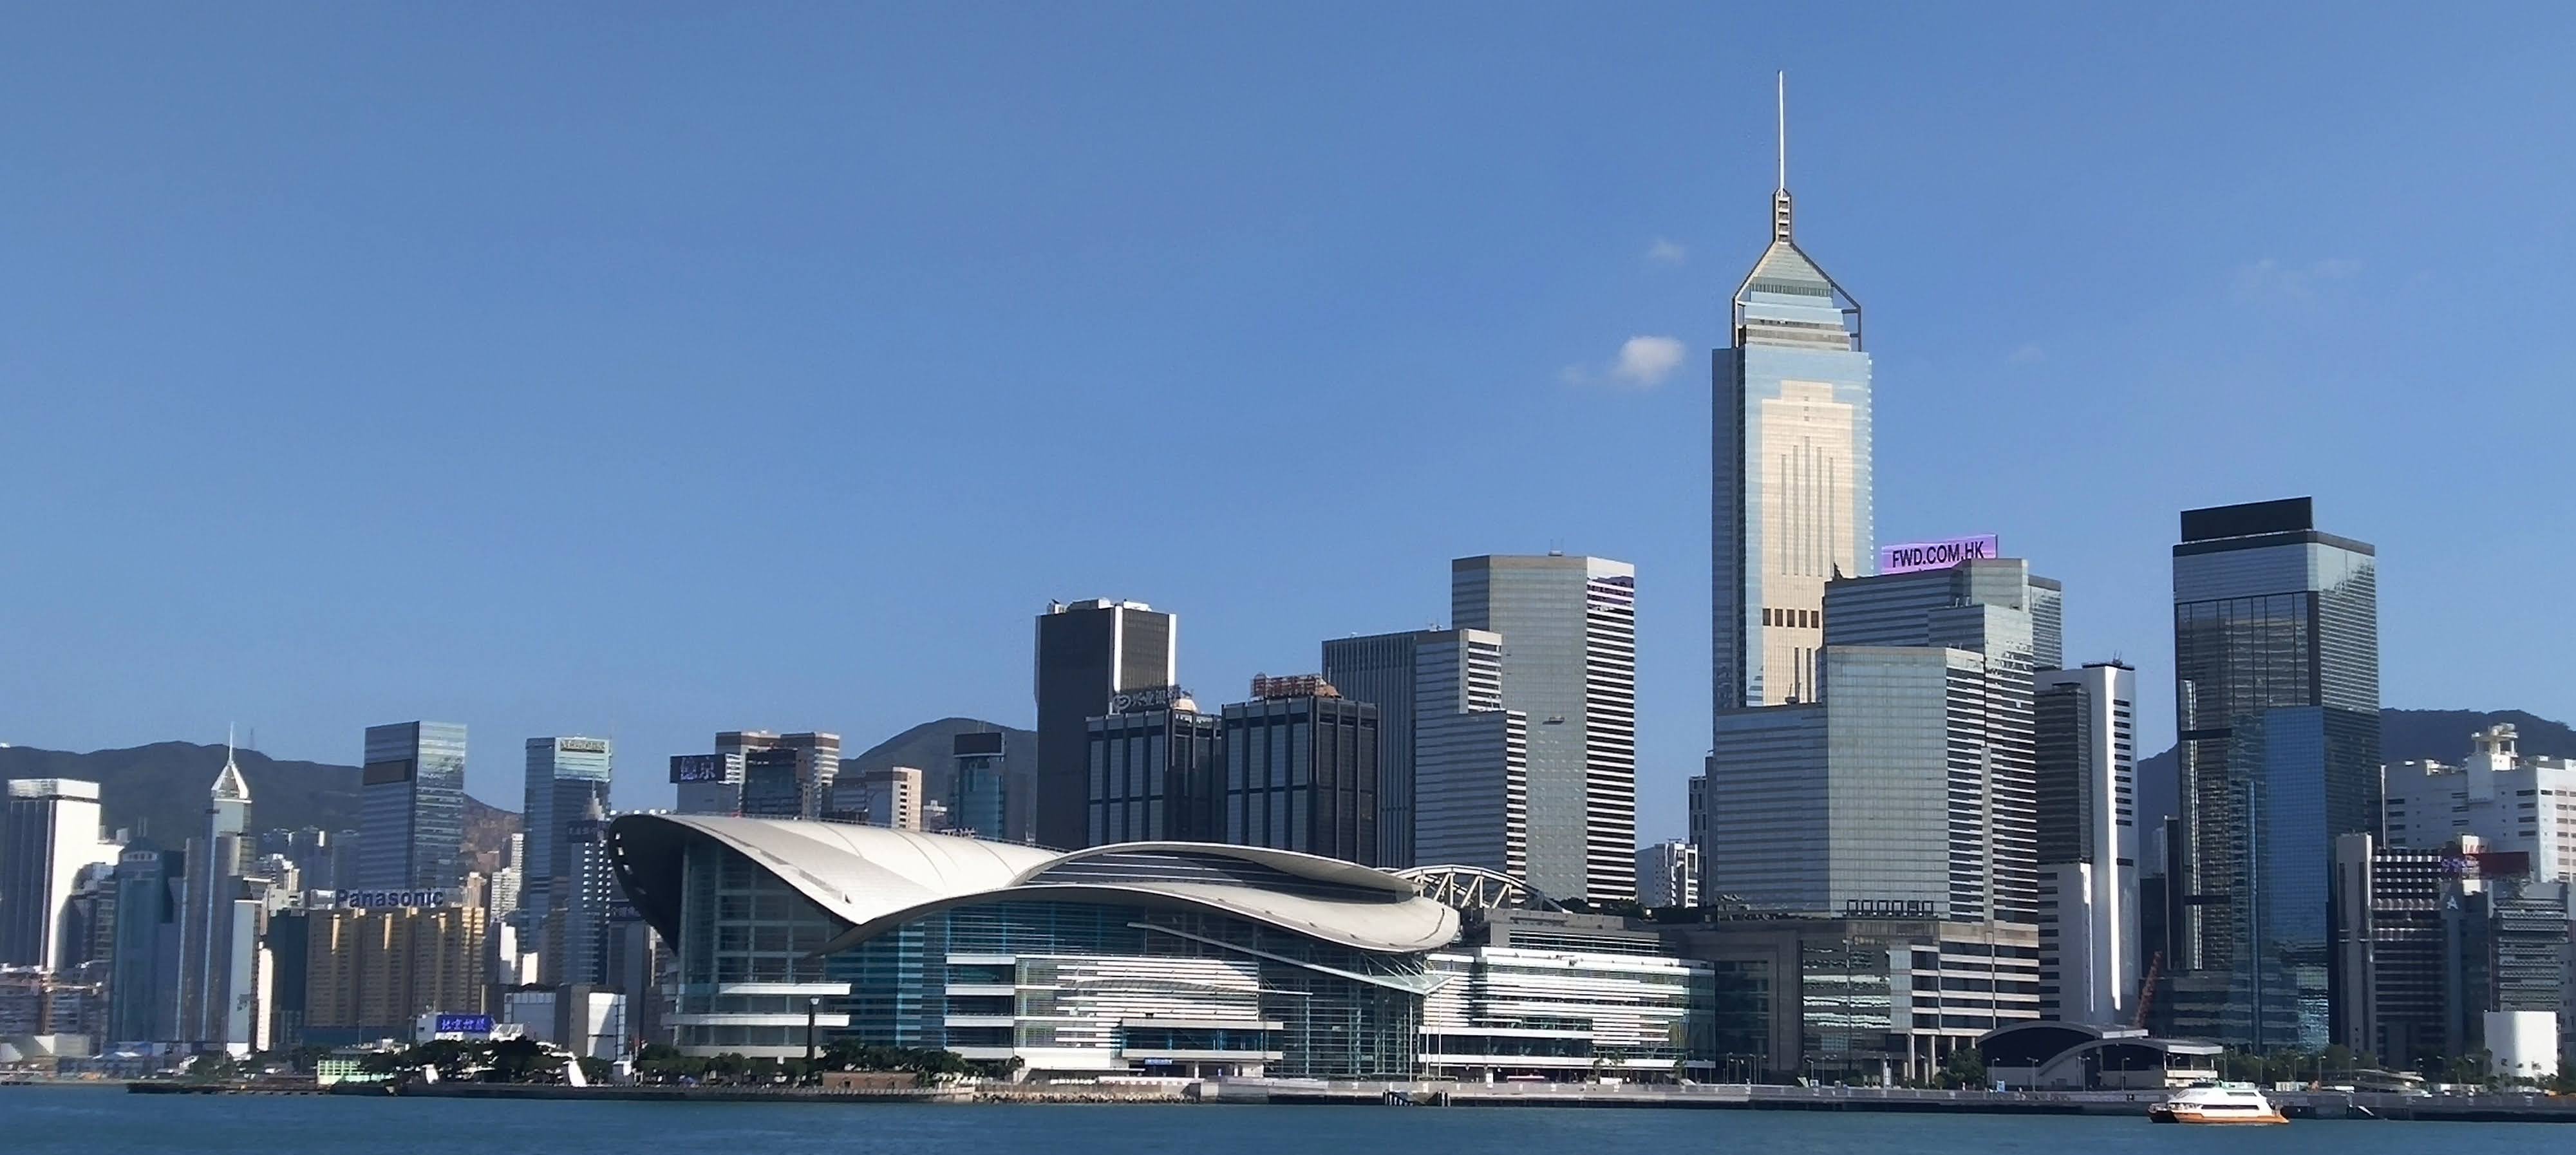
<point x="230" y="786"/>
<point x="1788" y="300"/>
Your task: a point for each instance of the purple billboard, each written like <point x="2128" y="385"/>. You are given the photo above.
<point x="1942" y="554"/>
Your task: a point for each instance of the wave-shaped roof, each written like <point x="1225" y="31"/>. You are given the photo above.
<point x="874" y="878"/>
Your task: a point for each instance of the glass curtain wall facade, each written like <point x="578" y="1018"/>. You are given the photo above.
<point x="1301" y="774"/>
<point x="747" y="963"/>
<point x="978" y="796"/>
<point x="1566" y="1015"/>
<point x="2276" y="667"/>
<point x="1905" y="793"/>
<point x="1421" y="681"/>
<point x="143" y="978"/>
<point x="1791" y="507"/>
<point x="1986" y="608"/>
<point x="1569" y="641"/>
<point x="1087" y="653"/>
<point x="567" y="778"/>
<point x="1105" y="987"/>
<point x="1153" y="778"/>
<point x="411" y="808"/>
<point x="1471" y="791"/>
<point x="784" y="775"/>
<point x="1859" y="1000"/>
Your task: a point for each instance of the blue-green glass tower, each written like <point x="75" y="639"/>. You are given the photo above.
<point x="2276" y="700"/>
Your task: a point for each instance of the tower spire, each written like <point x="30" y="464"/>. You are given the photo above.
<point x="1780" y="195"/>
<point x="230" y="786"/>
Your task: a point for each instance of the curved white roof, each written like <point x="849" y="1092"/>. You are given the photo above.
<point x="875" y="878"/>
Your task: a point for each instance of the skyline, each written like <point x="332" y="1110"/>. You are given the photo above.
<point x="318" y="291"/>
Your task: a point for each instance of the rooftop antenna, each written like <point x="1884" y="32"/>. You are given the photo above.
<point x="1782" y="99"/>
<point x="1780" y="196"/>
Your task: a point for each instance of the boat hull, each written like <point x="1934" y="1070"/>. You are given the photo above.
<point x="2161" y="1113"/>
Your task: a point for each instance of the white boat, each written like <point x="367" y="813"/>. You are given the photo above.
<point x="2217" y="1103"/>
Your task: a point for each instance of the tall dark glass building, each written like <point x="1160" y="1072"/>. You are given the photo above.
<point x="567" y="780"/>
<point x="2276" y="693"/>
<point x="1153" y="776"/>
<point x="1301" y="774"/>
<point x="411" y="807"/>
<point x="143" y="976"/>
<point x="1088" y="653"/>
<point x="979" y="794"/>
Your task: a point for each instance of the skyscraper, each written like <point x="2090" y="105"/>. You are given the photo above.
<point x="890" y="797"/>
<point x="1984" y="606"/>
<point x="707" y="783"/>
<point x="576" y="948"/>
<point x="783" y="775"/>
<point x="2276" y="694"/>
<point x="1908" y="787"/>
<point x="49" y="831"/>
<point x="1569" y="634"/>
<point x="1471" y="790"/>
<point x="1668" y="875"/>
<point x="979" y="789"/>
<point x="218" y="940"/>
<point x="563" y="776"/>
<point x="1154" y="773"/>
<point x="1791" y="507"/>
<point x="1301" y="771"/>
<point x="143" y="976"/>
<point x="2085" y="756"/>
<point x="310" y="849"/>
<point x="411" y="808"/>
<point x="1419" y="679"/>
<point x="567" y="779"/>
<point x="1087" y="653"/>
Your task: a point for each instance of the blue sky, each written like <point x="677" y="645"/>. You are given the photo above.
<point x="645" y="372"/>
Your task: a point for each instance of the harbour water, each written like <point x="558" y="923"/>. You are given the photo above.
<point x="88" y="1121"/>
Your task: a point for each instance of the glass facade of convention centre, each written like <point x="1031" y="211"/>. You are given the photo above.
<point x="1079" y="986"/>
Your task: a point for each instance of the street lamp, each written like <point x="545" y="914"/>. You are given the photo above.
<point x="813" y="1006"/>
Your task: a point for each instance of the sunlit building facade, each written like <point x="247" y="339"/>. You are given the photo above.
<point x="1791" y="507"/>
<point x="1545" y="994"/>
<point x="1569" y="667"/>
<point x="1159" y="958"/>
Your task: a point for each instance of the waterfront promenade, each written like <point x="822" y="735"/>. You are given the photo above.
<point x="2492" y="1107"/>
<point x="2531" y="1106"/>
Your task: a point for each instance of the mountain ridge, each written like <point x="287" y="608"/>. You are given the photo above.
<point x="157" y="791"/>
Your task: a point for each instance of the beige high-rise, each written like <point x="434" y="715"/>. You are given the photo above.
<point x="1791" y="463"/>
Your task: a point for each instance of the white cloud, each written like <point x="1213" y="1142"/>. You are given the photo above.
<point x="2269" y="280"/>
<point x="1646" y="361"/>
<point x="1666" y="252"/>
<point x="2029" y="354"/>
<point x="1643" y="362"/>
